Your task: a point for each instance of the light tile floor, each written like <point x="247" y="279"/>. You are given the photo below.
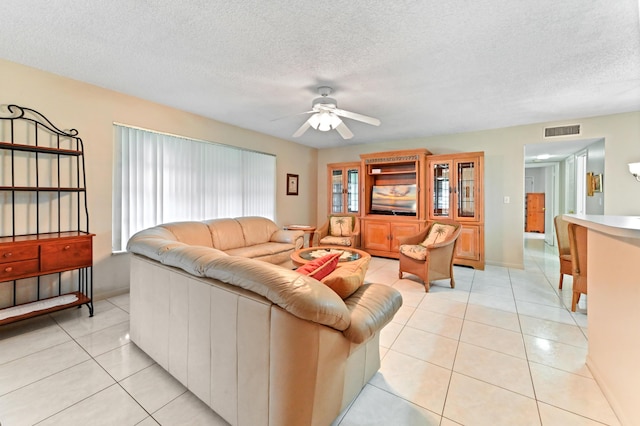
<point x="500" y="349"/>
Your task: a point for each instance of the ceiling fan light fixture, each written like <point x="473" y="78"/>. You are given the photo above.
<point x="324" y="121"/>
<point x="326" y="116"/>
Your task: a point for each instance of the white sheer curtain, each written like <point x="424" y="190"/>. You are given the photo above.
<point x="161" y="178"/>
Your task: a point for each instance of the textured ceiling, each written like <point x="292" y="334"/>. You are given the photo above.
<point x="422" y="67"/>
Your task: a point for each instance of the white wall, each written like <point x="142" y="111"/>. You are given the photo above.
<point x="538" y="176"/>
<point x="504" y="172"/>
<point x="93" y="110"/>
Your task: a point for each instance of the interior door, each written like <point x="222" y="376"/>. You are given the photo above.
<point x="535" y="212"/>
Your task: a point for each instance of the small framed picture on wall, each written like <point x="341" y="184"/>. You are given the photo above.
<point x="292" y="184"/>
<point x="597" y="183"/>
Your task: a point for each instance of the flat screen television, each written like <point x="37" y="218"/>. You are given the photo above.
<point x="398" y="200"/>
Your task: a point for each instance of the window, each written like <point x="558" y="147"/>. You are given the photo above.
<point x="160" y="178"/>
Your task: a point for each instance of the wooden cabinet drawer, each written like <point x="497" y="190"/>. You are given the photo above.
<point x="62" y="256"/>
<point x="15" y="253"/>
<point x="14" y="270"/>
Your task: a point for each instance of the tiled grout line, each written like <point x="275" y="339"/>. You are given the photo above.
<point x="566" y="308"/>
<point x="526" y="353"/>
<point x="455" y="354"/>
<point x="93" y="359"/>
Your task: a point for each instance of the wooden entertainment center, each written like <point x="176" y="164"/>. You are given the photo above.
<point x="380" y="232"/>
<point x="447" y="186"/>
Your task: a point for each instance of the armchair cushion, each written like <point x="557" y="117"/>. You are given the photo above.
<point x="335" y="241"/>
<point x="341" y="226"/>
<point x="346" y="279"/>
<point x="417" y="251"/>
<point x="438" y="233"/>
<point x="320" y="267"/>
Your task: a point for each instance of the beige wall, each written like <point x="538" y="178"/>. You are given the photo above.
<point x="93" y="110"/>
<point x="504" y="173"/>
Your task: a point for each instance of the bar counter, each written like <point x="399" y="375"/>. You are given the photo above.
<point x="613" y="309"/>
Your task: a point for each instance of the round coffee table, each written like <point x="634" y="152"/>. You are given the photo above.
<point x="306" y="255"/>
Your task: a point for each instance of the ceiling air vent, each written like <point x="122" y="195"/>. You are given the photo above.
<point x="554" y="132"/>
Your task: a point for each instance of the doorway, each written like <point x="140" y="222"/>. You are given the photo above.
<point x="558" y="169"/>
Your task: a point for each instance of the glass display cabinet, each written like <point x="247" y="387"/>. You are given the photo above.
<point x="455" y="182"/>
<point x="344" y="187"/>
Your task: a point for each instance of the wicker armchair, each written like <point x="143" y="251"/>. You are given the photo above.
<point x="347" y="233"/>
<point x="429" y="261"/>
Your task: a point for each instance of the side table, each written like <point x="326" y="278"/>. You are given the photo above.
<point x="307" y="229"/>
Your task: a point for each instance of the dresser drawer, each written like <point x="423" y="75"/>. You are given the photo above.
<point x="15" y="253"/>
<point x="14" y="270"/>
<point x="62" y="256"/>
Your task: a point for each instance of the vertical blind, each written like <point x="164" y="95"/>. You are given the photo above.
<point x="160" y="178"/>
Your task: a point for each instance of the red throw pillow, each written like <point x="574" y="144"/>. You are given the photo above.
<point x="320" y="267"/>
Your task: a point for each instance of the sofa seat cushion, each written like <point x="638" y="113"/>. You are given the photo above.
<point x="346" y="279"/>
<point x="335" y="241"/>
<point x="260" y="250"/>
<point x="372" y="307"/>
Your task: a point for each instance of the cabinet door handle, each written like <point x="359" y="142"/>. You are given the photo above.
<point x="9" y="254"/>
<point x="67" y="247"/>
<point x="8" y="269"/>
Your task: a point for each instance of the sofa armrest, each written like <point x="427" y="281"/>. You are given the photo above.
<point x="153" y="243"/>
<point x="372" y="307"/>
<point x="290" y="237"/>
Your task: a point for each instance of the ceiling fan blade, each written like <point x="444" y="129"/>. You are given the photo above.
<point x="292" y="115"/>
<point x="356" y="116"/>
<point x="305" y="126"/>
<point x="344" y="131"/>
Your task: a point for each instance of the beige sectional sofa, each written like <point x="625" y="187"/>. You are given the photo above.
<point x="259" y="343"/>
<point x="252" y="237"/>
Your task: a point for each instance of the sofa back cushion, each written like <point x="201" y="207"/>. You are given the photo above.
<point x="257" y="230"/>
<point x="226" y="234"/>
<point x="191" y="233"/>
<point x="298" y="294"/>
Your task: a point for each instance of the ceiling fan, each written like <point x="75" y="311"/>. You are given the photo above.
<point x="326" y="116"/>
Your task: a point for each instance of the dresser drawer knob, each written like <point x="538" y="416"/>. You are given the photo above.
<point x="67" y="247"/>
<point x="8" y="269"/>
<point x="9" y="254"/>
